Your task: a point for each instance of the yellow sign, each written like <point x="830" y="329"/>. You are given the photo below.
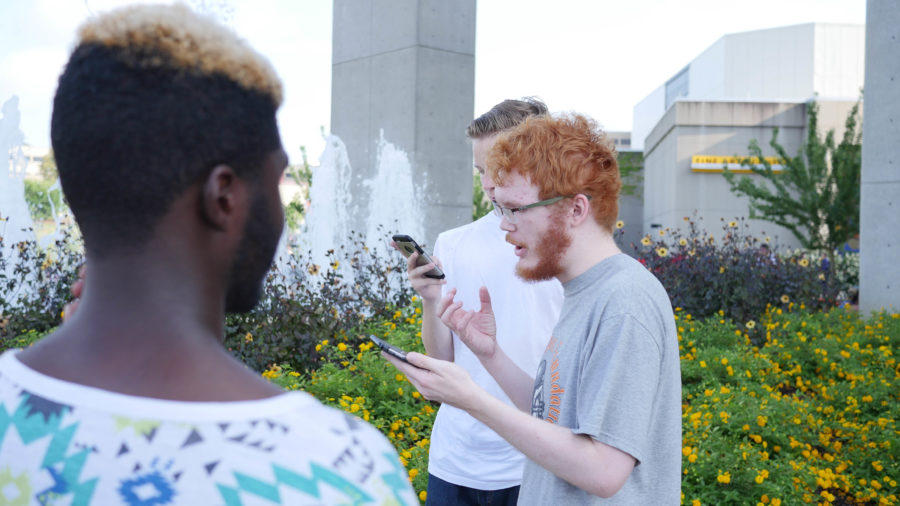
<point x="715" y="164"/>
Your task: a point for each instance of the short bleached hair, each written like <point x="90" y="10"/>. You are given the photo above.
<point x="174" y="36"/>
<point x="151" y="99"/>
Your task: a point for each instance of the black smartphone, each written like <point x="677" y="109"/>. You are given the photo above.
<point x="389" y="348"/>
<point x="408" y="245"/>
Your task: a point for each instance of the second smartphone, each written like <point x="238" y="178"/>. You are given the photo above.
<point x="408" y="245"/>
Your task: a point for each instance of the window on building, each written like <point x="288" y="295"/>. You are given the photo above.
<point x="677" y="86"/>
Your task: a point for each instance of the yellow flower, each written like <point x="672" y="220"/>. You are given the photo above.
<point x="662" y="252"/>
<point x="732" y="224"/>
<point x="692" y="458"/>
<point x="803" y="262"/>
<point x="423" y="495"/>
<point x="785" y="299"/>
<point x="721" y="270"/>
<point x="662" y="233"/>
<point x="750" y="324"/>
<point x="724" y="361"/>
<point x="342" y="346"/>
<point x="682" y="242"/>
<point x="723" y="477"/>
<point x="686" y="451"/>
<point x="620" y="224"/>
<point x="248" y="337"/>
<point x="413" y="473"/>
<point x="646" y="241"/>
<point x="761" y="421"/>
<point x="696" y="502"/>
<point x="335" y="265"/>
<point x="313" y="269"/>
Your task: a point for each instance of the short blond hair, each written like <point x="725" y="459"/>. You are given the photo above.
<point x="504" y="116"/>
<point x="174" y="36"/>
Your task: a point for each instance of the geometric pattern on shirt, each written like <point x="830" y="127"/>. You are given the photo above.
<point x="36" y="418"/>
<point x="306" y="484"/>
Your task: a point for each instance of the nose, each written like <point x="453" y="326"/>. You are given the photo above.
<point x="506" y="225"/>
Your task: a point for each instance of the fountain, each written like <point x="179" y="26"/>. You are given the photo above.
<point x="17" y="225"/>
<point x="393" y="202"/>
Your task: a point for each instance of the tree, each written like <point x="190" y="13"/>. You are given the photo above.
<point x="481" y="205"/>
<point x="631" y="166"/>
<point x="302" y="175"/>
<point x="816" y="194"/>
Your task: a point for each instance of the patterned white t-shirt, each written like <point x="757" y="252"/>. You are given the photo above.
<point x="64" y="443"/>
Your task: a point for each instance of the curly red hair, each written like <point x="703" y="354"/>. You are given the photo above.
<point x="562" y="155"/>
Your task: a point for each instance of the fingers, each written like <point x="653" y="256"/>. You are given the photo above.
<point x="78" y="286"/>
<point x="485" y="298"/>
<point x="69" y="310"/>
<point x="453" y="316"/>
<point x="421" y="361"/>
<point x="446" y="301"/>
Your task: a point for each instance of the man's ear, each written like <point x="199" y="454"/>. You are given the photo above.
<point x="581" y="209"/>
<point x="223" y="198"/>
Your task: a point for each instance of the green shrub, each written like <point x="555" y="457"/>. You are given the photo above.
<point x="305" y="303"/>
<point x="737" y="273"/>
<point x="33" y="295"/>
<point x="808" y="416"/>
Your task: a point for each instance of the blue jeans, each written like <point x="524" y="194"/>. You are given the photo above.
<point x="442" y="493"/>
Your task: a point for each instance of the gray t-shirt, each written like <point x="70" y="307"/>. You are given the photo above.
<point x="611" y="371"/>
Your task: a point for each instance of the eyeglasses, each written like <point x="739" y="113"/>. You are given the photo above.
<point x="510" y="213"/>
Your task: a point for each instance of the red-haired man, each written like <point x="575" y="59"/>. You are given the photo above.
<point x="609" y="381"/>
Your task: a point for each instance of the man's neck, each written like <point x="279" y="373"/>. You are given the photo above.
<point x="147" y="329"/>
<point x="590" y="246"/>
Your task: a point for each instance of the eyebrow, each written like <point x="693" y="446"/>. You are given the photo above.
<point x="507" y="205"/>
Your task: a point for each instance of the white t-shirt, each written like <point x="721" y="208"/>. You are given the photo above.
<point x="64" y="443"/>
<point x="463" y="450"/>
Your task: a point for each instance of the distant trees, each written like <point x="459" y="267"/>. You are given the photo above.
<point x="816" y="194"/>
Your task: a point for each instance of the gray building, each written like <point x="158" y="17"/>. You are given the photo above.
<point x="740" y="89"/>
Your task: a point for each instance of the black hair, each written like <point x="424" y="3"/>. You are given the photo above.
<point x="129" y="139"/>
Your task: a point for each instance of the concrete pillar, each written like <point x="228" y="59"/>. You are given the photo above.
<point x="407" y="68"/>
<point x="879" y="276"/>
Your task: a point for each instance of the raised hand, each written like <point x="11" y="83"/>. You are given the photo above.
<point x="438" y="380"/>
<point x="476" y="329"/>
<point x="77" y="287"/>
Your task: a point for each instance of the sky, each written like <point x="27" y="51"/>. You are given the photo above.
<point x="596" y="57"/>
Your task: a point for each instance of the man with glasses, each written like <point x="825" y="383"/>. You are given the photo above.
<point x="468" y="462"/>
<point x="609" y="381"/>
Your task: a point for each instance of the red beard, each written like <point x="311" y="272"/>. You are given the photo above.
<point x="550" y="250"/>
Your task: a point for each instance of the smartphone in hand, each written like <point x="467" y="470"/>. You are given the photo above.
<point x="390" y="349"/>
<point x="408" y="246"/>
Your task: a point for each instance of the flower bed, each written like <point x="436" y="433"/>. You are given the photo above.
<point x="809" y="416"/>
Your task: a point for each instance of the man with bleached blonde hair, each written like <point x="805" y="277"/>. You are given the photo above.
<point x="169" y="155"/>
